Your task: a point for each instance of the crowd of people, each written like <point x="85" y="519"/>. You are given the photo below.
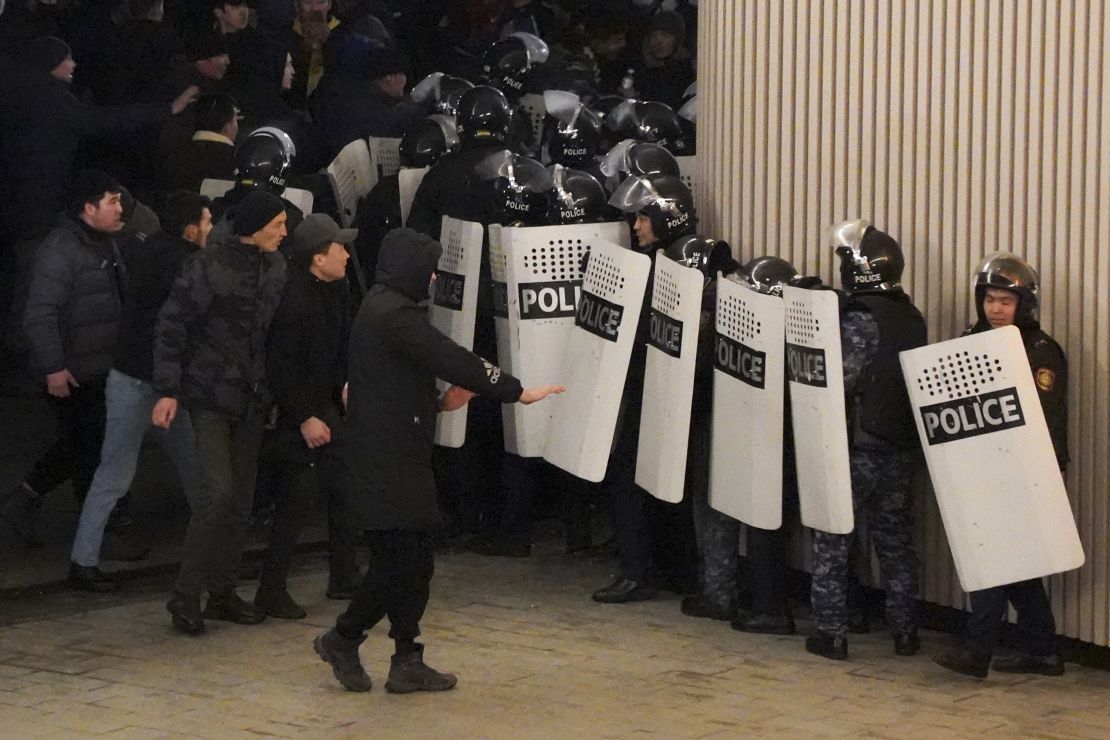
<point x="225" y="325"/>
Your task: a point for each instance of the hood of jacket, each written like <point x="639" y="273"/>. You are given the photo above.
<point x="406" y="262"/>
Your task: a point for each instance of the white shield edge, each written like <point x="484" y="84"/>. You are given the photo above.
<point x="582" y="427"/>
<point x="408" y="182"/>
<point x="462" y="255"/>
<point x="1001" y="496"/>
<point x="689" y="170"/>
<point x="669" y="384"/>
<point x="499" y="278"/>
<point x="536" y="108"/>
<point x="745" y="474"/>
<point x="537" y="347"/>
<point x="385" y="153"/>
<point x="820" y="422"/>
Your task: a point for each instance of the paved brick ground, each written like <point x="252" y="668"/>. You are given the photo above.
<point x="535" y="657"/>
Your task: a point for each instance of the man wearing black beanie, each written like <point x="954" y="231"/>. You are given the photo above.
<point x="210" y="356"/>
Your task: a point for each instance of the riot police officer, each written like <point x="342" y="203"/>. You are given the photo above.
<point x="1006" y="290"/>
<point x="511" y="65"/>
<point x="664" y="211"/>
<point x="573" y="134"/>
<point x="877" y="322"/>
<point x="262" y="162"/>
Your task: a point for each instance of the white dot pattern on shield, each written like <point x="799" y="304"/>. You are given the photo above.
<point x="802" y="327"/>
<point x="498" y="260"/>
<point x="959" y="375"/>
<point x="603" y="277"/>
<point x="738" y="320"/>
<point x="665" y="296"/>
<point x="386" y="154"/>
<point x="560" y="260"/>
<point x="534" y="106"/>
<point x="453" y="253"/>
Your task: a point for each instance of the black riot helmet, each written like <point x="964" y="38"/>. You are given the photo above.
<point x="442" y="90"/>
<point x="1007" y="271"/>
<point x="709" y="256"/>
<point x="483" y="114"/>
<point x="427" y="141"/>
<point x="575" y="135"/>
<point x="631" y="157"/>
<point x="664" y="199"/>
<point x="508" y="63"/>
<point x="520" y="188"/>
<point x="871" y="261"/>
<point x="649" y="121"/>
<point x="262" y="159"/>
<point x="576" y="197"/>
<point x="767" y="275"/>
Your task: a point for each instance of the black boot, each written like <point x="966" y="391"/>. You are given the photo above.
<point x="21" y="511"/>
<point x="342" y="655"/>
<point x="1042" y="665"/>
<point x="962" y="660"/>
<point x="279" y="604"/>
<point x="906" y="643"/>
<point x="90" y="578"/>
<point x="699" y="606"/>
<point x="228" y="607"/>
<point x="409" y="673"/>
<point x="342" y="588"/>
<point x="827" y="646"/>
<point x="185" y="612"/>
<point x="763" y="624"/>
<point x="623" y="591"/>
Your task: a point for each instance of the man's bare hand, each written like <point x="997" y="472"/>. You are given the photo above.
<point x="315" y="432"/>
<point x="455" y="398"/>
<point x="540" y="392"/>
<point x="185" y="99"/>
<point x="59" y="383"/>
<point x="164" y="412"/>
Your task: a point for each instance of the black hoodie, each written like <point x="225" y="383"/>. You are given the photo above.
<point x="395" y="357"/>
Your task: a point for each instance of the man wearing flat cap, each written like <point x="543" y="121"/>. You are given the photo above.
<point x="210" y="356"/>
<point x="306" y="369"/>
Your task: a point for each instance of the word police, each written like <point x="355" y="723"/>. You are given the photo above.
<point x="449" y="290"/>
<point x="665" y="333"/>
<point x="740" y="361"/>
<point x="600" y="317"/>
<point x="972" y="416"/>
<point x="805" y="365"/>
<point x="548" y="300"/>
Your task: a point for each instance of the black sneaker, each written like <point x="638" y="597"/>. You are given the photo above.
<point x="228" y="607"/>
<point x="186" y="615"/>
<point x="906" y="643"/>
<point x="624" y="591"/>
<point x="279" y="604"/>
<point x="21" y="512"/>
<point x="827" y="646"/>
<point x="963" y="661"/>
<point x="699" y="606"/>
<point x="342" y="655"/>
<point x="90" y="578"/>
<point x="1042" y="665"/>
<point x="409" y="673"/>
<point x="763" y="624"/>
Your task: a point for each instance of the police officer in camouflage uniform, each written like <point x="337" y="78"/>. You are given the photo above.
<point x="877" y="322"/>
<point x="1006" y="294"/>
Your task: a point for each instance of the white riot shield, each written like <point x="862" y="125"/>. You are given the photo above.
<point x="669" y="379"/>
<point x="596" y="361"/>
<point x="690" y="172"/>
<point x="745" y="476"/>
<point x="454" y="305"/>
<point x="385" y="153"/>
<point x="1001" y="496"/>
<point x="544" y="280"/>
<point x="536" y="109"/>
<point x="815" y="370"/>
<point x="499" y="279"/>
<point x="408" y="182"/>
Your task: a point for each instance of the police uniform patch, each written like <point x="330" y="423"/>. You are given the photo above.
<point x="1045" y="378"/>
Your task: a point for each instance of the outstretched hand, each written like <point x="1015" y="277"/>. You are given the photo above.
<point x="455" y="398"/>
<point x="540" y="392"/>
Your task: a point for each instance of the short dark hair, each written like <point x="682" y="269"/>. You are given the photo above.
<point x="89" y="186"/>
<point x="303" y="258"/>
<point x="213" y="112"/>
<point x="181" y="209"/>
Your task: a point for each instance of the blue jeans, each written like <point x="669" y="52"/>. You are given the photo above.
<point x="130" y="402"/>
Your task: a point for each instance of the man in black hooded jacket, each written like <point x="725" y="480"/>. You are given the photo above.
<point x="395" y="357"/>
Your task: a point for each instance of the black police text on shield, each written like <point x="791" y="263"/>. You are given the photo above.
<point x="971" y="416"/>
<point x="554" y="300"/>
<point x="598" y="316"/>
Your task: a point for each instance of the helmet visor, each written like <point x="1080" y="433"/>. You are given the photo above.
<point x="534" y="47"/>
<point x="616" y="161"/>
<point x="689" y="111"/>
<point x="634" y="195"/>
<point x="426" y="87"/>
<point x="562" y="106"/>
<point x="447" y="126"/>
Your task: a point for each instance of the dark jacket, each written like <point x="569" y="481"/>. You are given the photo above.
<point x="349" y="105"/>
<point x="137" y="59"/>
<point x="306" y="356"/>
<point x="451" y="188"/>
<point x="41" y="126"/>
<point x="395" y="357"/>
<point x="210" y="340"/>
<point x="1050" y="374"/>
<point x="152" y="265"/>
<point x="195" y="161"/>
<point x="73" y="303"/>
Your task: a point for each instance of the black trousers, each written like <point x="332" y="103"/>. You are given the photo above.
<point x="298" y="488"/>
<point x="75" y="454"/>
<point x="396" y="585"/>
<point x="1035" y="624"/>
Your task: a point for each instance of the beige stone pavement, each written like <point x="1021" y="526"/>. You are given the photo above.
<point x="535" y="658"/>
